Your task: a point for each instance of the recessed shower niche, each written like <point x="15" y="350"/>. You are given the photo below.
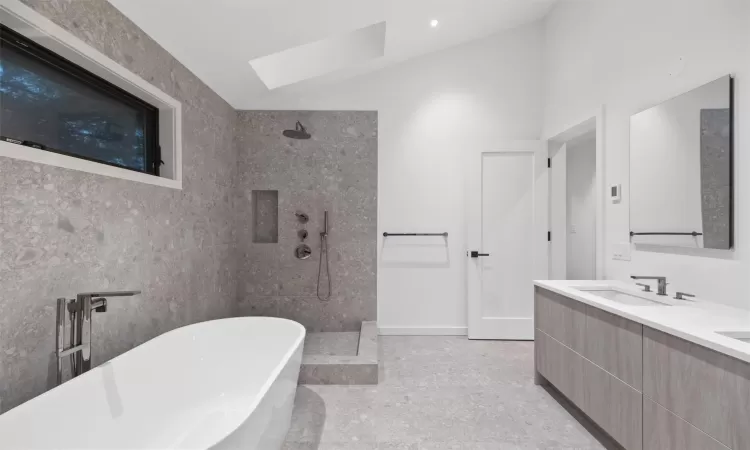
<point x="265" y="217"/>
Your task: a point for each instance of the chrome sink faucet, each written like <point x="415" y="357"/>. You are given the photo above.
<point x="79" y="311"/>
<point x="661" y="283"/>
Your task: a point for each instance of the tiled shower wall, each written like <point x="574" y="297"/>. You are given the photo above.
<point x="190" y="251"/>
<point x="64" y="232"/>
<point x="335" y="170"/>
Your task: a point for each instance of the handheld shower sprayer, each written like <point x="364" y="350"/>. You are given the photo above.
<point x="324" y="248"/>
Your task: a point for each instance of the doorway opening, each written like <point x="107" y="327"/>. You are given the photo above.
<point x="576" y="202"/>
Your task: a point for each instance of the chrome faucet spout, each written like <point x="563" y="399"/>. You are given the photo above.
<point x="109" y="294"/>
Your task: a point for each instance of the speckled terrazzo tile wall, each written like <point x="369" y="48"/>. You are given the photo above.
<point x="64" y="231"/>
<point x="716" y="180"/>
<point x="335" y="170"/>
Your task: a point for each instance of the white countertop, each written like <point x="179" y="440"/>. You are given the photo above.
<point x="695" y="320"/>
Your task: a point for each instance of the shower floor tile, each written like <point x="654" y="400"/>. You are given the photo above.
<point x="332" y="343"/>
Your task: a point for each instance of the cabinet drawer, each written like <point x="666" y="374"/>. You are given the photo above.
<point x="544" y="356"/>
<point x="706" y="388"/>
<point x="662" y="430"/>
<point x="616" y="345"/>
<point x="561" y="318"/>
<point x="616" y="407"/>
<point x="561" y="366"/>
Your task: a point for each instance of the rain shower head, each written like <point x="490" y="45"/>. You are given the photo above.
<point x="298" y="133"/>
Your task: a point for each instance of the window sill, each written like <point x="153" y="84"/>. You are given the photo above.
<point x="16" y="151"/>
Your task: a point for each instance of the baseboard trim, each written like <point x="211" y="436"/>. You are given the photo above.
<point x="424" y="331"/>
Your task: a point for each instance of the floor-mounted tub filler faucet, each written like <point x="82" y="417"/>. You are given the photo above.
<point x="661" y="283"/>
<point x="79" y="312"/>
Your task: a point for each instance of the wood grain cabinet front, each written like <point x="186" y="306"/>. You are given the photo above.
<point x="705" y="388"/>
<point x="647" y="389"/>
<point x="561" y="318"/>
<point x="662" y="430"/>
<point x="613" y="405"/>
<point x="561" y="366"/>
<point x="616" y="345"/>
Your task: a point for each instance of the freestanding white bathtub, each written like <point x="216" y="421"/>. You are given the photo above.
<point x="222" y="384"/>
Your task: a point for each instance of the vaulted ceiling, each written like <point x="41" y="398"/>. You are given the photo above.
<point x="323" y="40"/>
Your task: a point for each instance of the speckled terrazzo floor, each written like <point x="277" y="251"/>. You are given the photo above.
<point x="439" y="393"/>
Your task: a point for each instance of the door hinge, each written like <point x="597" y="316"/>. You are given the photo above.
<point x="549" y="162"/>
<point x="549" y="236"/>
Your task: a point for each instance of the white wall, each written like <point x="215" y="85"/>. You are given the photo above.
<point x="629" y="55"/>
<point x="581" y="209"/>
<point x="431" y="110"/>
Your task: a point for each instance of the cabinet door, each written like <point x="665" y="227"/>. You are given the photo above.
<point x="561" y="318"/>
<point x="706" y="388"/>
<point x="545" y="357"/>
<point x="616" y="345"/>
<point x="616" y="407"/>
<point x="662" y="430"/>
<point x="561" y="366"/>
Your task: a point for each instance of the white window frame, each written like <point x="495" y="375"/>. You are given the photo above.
<point x="33" y="25"/>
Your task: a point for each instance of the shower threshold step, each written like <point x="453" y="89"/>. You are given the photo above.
<point x="341" y="358"/>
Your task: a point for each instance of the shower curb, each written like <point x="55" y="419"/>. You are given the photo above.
<point x="345" y="370"/>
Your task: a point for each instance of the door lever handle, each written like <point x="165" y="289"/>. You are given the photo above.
<point x="476" y="254"/>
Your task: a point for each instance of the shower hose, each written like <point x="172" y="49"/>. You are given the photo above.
<point x="324" y="248"/>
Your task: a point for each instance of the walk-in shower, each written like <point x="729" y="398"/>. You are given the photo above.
<point x="316" y="261"/>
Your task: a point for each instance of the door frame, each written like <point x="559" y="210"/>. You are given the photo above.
<point x="558" y="179"/>
<point x="540" y="257"/>
<point x="593" y="121"/>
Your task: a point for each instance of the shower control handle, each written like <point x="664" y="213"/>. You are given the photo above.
<point x="476" y="254"/>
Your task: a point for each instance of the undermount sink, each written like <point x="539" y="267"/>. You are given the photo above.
<point x="621" y="297"/>
<point x="743" y="336"/>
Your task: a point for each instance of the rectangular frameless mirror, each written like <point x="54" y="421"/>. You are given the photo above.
<point x="681" y="170"/>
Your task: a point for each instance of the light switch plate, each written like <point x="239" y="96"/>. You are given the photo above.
<point x="621" y="251"/>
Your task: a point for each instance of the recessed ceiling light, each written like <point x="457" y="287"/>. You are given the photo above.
<point x="434" y="23"/>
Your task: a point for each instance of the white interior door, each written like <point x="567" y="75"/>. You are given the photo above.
<point x="507" y="229"/>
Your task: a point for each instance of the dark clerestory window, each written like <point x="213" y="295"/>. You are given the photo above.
<point x="50" y="103"/>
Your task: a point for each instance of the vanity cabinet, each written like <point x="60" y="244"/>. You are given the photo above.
<point x="594" y="359"/>
<point x="703" y="387"/>
<point x="647" y="389"/>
